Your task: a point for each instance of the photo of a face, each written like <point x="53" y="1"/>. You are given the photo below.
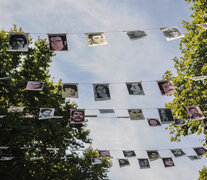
<point x="46" y="113"/>
<point x="134" y="35"/>
<point x="166" y="87"/>
<point x="177" y="152"/>
<point x="194" y="157"/>
<point x="18" y="42"/>
<point x="195" y="113"/>
<point x="104" y="153"/>
<point x="168" y="162"/>
<point x="153" y="122"/>
<point x="136" y="114"/>
<point x="16" y="109"/>
<point x="58" y="42"/>
<point x="70" y="90"/>
<point x="34" y="86"/>
<point x="180" y="122"/>
<point x="144" y="163"/>
<point x="77" y="116"/>
<point x="171" y="33"/>
<point x="153" y="155"/>
<point x="135" y="88"/>
<point x="123" y="162"/>
<point x="129" y="154"/>
<point x="200" y="151"/>
<point x="95" y="39"/>
<point x="101" y="92"/>
<point x="166" y="115"/>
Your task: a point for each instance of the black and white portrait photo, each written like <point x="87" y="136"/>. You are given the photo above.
<point x="129" y="153"/>
<point x="166" y="87"/>
<point x="95" y="39"/>
<point x="166" y="115"/>
<point x="123" y="162"/>
<point x="16" y="109"/>
<point x="101" y="92"/>
<point x="34" y="86"/>
<point x="153" y="155"/>
<point x="177" y="152"/>
<point x="58" y="42"/>
<point x="70" y="90"/>
<point x="135" y="88"/>
<point x="77" y="116"/>
<point x="195" y="113"/>
<point x="200" y="151"/>
<point x="136" y="114"/>
<point x="106" y="111"/>
<point x="104" y="153"/>
<point x="134" y="35"/>
<point x="144" y="163"/>
<point x="46" y="113"/>
<point x="18" y="42"/>
<point x="168" y="162"/>
<point x="180" y="122"/>
<point x="153" y="122"/>
<point x="171" y="33"/>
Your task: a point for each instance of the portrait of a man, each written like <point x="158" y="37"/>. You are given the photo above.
<point x="153" y="122"/>
<point x="95" y="39"/>
<point x="195" y="113"/>
<point x="171" y="33"/>
<point x="123" y="162"/>
<point x="153" y="155"/>
<point x="135" y="88"/>
<point x="134" y="35"/>
<point x="166" y="115"/>
<point x="101" y="92"/>
<point x="144" y="163"/>
<point x="168" y="162"/>
<point x="58" y="42"/>
<point x="46" y="113"/>
<point x="18" y="42"/>
<point x="166" y="87"/>
<point x="77" y="116"/>
<point x="200" y="151"/>
<point x="104" y="153"/>
<point x="34" y="86"/>
<point x="70" y="90"/>
<point x="177" y="152"/>
<point x="129" y="153"/>
<point x="136" y="114"/>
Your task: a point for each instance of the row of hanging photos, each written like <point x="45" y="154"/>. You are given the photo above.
<point x="143" y="162"/>
<point x="58" y="42"/>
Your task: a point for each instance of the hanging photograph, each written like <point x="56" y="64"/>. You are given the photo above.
<point x="135" y="88"/>
<point x="180" y="122"/>
<point x="101" y="92"/>
<point x="95" y="39"/>
<point x="134" y="35"/>
<point x="129" y="153"/>
<point x="200" y="151"/>
<point x="18" y="42"/>
<point x="195" y="113"/>
<point x="198" y="78"/>
<point x="123" y="162"/>
<point x="166" y="115"/>
<point x="171" y="33"/>
<point x="153" y="122"/>
<point x="203" y="25"/>
<point x="194" y="157"/>
<point x="106" y="111"/>
<point x="136" y="114"/>
<point x="57" y="42"/>
<point x="46" y="113"/>
<point x="177" y="152"/>
<point x="34" y="86"/>
<point x="96" y="161"/>
<point x="144" y="163"/>
<point x="16" y="109"/>
<point x="168" y="162"/>
<point x="70" y="90"/>
<point x="153" y="155"/>
<point x="104" y="153"/>
<point x="166" y="87"/>
<point x="77" y="116"/>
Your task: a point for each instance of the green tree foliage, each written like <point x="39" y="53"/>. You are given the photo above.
<point x="203" y="174"/>
<point x="192" y="63"/>
<point x="37" y="135"/>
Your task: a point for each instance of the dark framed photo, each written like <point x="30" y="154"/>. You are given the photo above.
<point x="34" y="86"/>
<point x="195" y="113"/>
<point x="123" y="162"/>
<point x="177" y="152"/>
<point x="95" y="39"/>
<point x="171" y="33"/>
<point x="96" y="161"/>
<point x="166" y="87"/>
<point x="144" y="163"/>
<point x="46" y="113"/>
<point x="153" y="155"/>
<point x="135" y="88"/>
<point x="57" y="42"/>
<point x="200" y="151"/>
<point x="77" y="116"/>
<point x="104" y="153"/>
<point x="153" y="122"/>
<point x="70" y="90"/>
<point x="166" y="115"/>
<point x="18" y="42"/>
<point x="180" y="122"/>
<point x="168" y="162"/>
<point x="101" y="92"/>
<point x="129" y="154"/>
<point x="136" y="114"/>
<point x="138" y="34"/>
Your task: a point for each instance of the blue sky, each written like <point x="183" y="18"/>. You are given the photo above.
<point x="120" y="61"/>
